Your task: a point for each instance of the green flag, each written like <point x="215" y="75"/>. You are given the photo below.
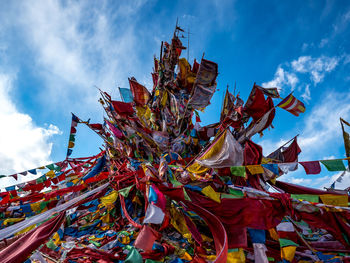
<point x="133" y="256"/>
<point x="334" y="165"/>
<point x="125" y="191"/>
<point x="238" y="171"/>
<point x="306" y="197"/>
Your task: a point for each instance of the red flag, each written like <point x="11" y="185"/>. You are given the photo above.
<point x="252" y="153"/>
<point x="140" y="93"/>
<point x="25" y="245"/>
<point x="311" y="167"/>
<point x="293" y="105"/>
<point x="146" y="238"/>
<point x="256" y="105"/>
<point x="271" y="92"/>
<point x="122" y="108"/>
<point x="290" y="154"/>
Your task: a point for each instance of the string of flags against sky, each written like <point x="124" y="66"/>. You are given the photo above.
<point x="166" y="189"/>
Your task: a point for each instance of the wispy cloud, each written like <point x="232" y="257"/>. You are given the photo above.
<point x="77" y="45"/>
<point x="24" y="145"/>
<point x="315" y="67"/>
<point x="288" y="75"/>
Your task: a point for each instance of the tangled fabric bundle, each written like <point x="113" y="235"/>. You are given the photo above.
<point x="165" y="189"/>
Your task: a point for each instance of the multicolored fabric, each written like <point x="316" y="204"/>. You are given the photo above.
<point x="139" y="92"/>
<point x="292" y="105"/>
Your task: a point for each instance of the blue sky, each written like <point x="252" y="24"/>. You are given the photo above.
<point x="53" y="53"/>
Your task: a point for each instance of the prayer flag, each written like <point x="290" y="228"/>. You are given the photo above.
<point x="236" y="256"/>
<point x="140" y="93"/>
<point x="259" y="125"/>
<point x="210" y="192"/>
<point x="288" y="167"/>
<point x="346" y="137"/>
<point x="122" y="108"/>
<point x="260" y="253"/>
<point x="255" y="169"/>
<point x="257" y="235"/>
<point x="290" y="153"/>
<point x="272" y="92"/>
<point x="292" y="104"/>
<point x="287" y="253"/>
<point x="334" y="165"/>
<point x="228" y="105"/>
<point x="204" y="86"/>
<point x="306" y="197"/>
<point x="312" y="167"/>
<point x="336" y="200"/>
<point x="154" y="215"/>
<point x="146" y="238"/>
<point x="33" y="171"/>
<point x="257" y="106"/>
<point x="238" y="171"/>
<point x="224" y="152"/>
<point x="273" y="167"/>
<point x="133" y="256"/>
<point x="252" y="153"/>
<point x="126" y="95"/>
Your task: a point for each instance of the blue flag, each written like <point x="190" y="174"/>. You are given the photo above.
<point x="126" y="95"/>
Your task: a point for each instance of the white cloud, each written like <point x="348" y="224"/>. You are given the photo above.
<point x="322" y="127"/>
<point x="282" y="78"/>
<point x="288" y="75"/>
<point x="323" y="42"/>
<point x="307" y="94"/>
<point x="342" y="23"/>
<point x="24" y="145"/>
<point x="77" y="45"/>
<point x="316" y="67"/>
<point x="346" y="59"/>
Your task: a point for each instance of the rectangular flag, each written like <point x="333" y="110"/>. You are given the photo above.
<point x="272" y="92"/>
<point x="205" y="85"/>
<point x="292" y="104"/>
<point x="139" y="92"/>
<point x="225" y="152"/>
<point x="126" y="95"/>
<point x="228" y="105"/>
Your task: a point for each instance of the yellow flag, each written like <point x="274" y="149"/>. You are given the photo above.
<point x="197" y="168"/>
<point x="236" y="256"/>
<point x="35" y="207"/>
<point x="210" y="192"/>
<point x="273" y="234"/>
<point x="255" y="169"/>
<point x="109" y="199"/>
<point x="186" y="75"/>
<point x="51" y="174"/>
<point x="179" y="223"/>
<point x="212" y="151"/>
<point x="336" y="200"/>
<point x="288" y="253"/>
<point x="164" y="98"/>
